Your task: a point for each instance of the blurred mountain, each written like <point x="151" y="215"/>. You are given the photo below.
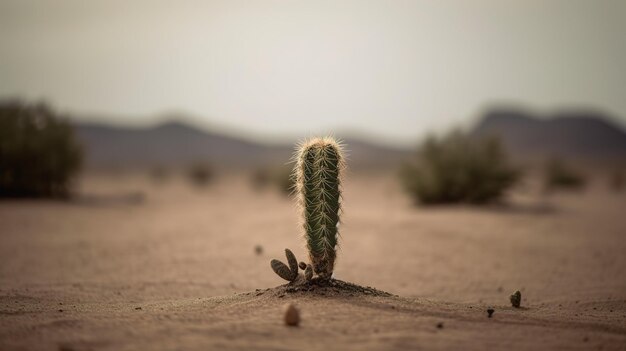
<point x="176" y="144"/>
<point x="578" y="135"/>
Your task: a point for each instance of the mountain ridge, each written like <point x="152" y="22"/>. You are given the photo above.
<point x="573" y="135"/>
<point x="587" y="136"/>
<point x="176" y="143"/>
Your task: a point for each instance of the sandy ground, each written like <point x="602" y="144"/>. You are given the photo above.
<point x="175" y="269"/>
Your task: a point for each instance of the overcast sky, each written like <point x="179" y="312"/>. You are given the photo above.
<point x="394" y="69"/>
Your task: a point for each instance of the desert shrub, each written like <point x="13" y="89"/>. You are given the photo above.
<point x="456" y="168"/>
<point x="617" y="180"/>
<point x="283" y="179"/>
<point x="279" y="177"/>
<point x="200" y="174"/>
<point x="39" y="154"/>
<point x="159" y="174"/>
<point x="260" y="179"/>
<point x="559" y="175"/>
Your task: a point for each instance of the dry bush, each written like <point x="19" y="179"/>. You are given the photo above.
<point x="159" y="174"/>
<point x="200" y="174"/>
<point x="39" y="154"/>
<point x="617" y="180"/>
<point x="558" y="175"/>
<point x="456" y="168"/>
<point x="279" y="177"/>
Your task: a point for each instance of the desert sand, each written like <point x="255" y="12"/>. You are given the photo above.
<point x="138" y="265"/>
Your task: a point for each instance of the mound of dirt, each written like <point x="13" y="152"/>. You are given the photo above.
<point x="321" y="287"/>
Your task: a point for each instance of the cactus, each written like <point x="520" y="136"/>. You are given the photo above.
<point x="308" y="272"/>
<point x="290" y="272"/>
<point x="318" y="182"/>
<point x="282" y="270"/>
<point x="291" y="260"/>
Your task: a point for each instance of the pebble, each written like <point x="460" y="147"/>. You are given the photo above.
<point x="258" y="249"/>
<point x="516" y="299"/>
<point x="490" y="312"/>
<point x="292" y="315"/>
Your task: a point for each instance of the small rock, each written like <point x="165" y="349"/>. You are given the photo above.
<point x="516" y="299"/>
<point x="258" y="249"/>
<point x="292" y="315"/>
<point x="440" y="325"/>
<point x="490" y="312"/>
<point x="137" y="308"/>
<point x="60" y="310"/>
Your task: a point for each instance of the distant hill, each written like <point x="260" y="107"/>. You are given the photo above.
<point x="576" y="135"/>
<point x="176" y="144"/>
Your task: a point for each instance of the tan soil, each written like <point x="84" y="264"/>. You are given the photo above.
<point x="143" y="266"/>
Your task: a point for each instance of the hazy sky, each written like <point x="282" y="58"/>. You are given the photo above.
<point x="395" y="69"/>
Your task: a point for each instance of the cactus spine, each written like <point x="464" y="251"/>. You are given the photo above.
<point x="318" y="183"/>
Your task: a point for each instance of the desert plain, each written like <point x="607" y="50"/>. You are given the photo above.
<point x="134" y="264"/>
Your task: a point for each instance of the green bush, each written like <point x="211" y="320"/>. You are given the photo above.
<point x="39" y="155"/>
<point x="456" y="168"/>
<point x="560" y="175"/>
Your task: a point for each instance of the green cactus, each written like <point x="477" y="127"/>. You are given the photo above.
<point x="318" y="183"/>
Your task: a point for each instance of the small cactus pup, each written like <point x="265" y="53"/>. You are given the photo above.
<point x="289" y="273"/>
<point x="318" y="170"/>
<point x="308" y="273"/>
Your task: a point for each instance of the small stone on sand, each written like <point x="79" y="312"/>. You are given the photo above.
<point x="258" y="249"/>
<point x="292" y="315"/>
<point x="490" y="312"/>
<point x="516" y="299"/>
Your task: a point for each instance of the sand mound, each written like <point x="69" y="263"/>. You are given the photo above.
<point x="320" y="287"/>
